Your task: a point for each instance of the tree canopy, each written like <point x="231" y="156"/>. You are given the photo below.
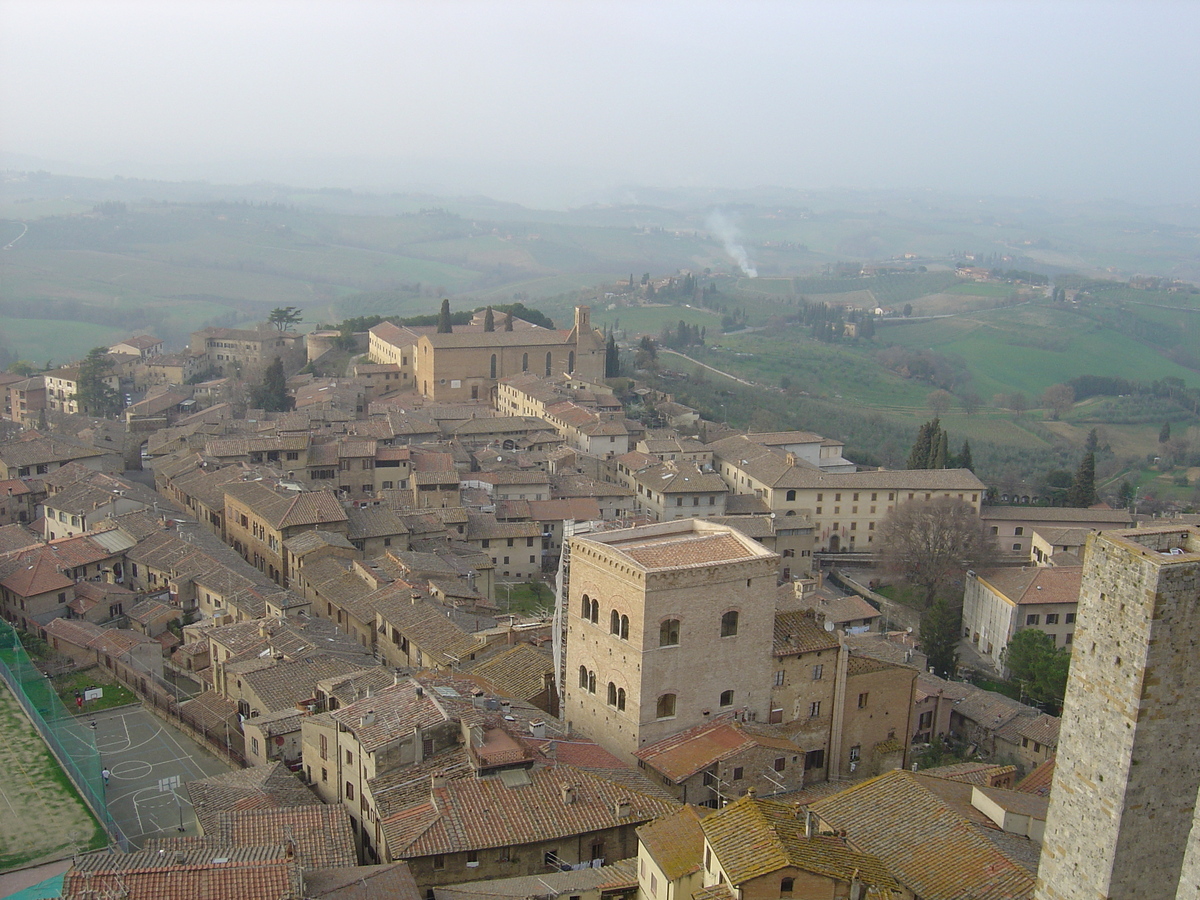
<point x="92" y="394"/>
<point x="284" y="317"/>
<point x="931" y="544"/>
<point x="271" y="393"/>
<point x="939" y="637"/>
<point x="1042" y="668"/>
<point x="1082" y="492"/>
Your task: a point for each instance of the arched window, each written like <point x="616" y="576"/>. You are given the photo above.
<point x="666" y="706"/>
<point x="583" y="676"/>
<point x="624" y="628"/>
<point x="595" y="612"/>
<point x="729" y="623"/>
<point x="524" y="362"/>
<point x="547" y="362"/>
<point x="790" y="512"/>
<point x="614" y="623"/>
<point x="620" y="698"/>
<point x="591" y="682"/>
<point x="571" y="361"/>
<point x="786" y="886"/>
<point x="668" y="633"/>
<point x="727" y="698"/>
<point x="493" y="365"/>
<point x="612" y="694"/>
<point x="791" y="495"/>
<point x="586" y="608"/>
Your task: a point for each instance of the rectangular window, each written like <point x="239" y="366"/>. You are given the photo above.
<point x="1070" y="619"/>
<point x="324" y="746"/>
<point x="814" y="759"/>
<point x="818" y="672"/>
<point x="862" y="701"/>
<point x="780" y="763"/>
<point x="439" y="861"/>
<point x="926" y="720"/>
<point x="1033" y="619"/>
<point x="737" y="773"/>
<point x="779" y="676"/>
<point x="1051" y="618"/>
<point x="349" y="791"/>
<point x="814" y="709"/>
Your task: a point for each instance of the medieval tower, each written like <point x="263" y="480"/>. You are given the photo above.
<point x="1123" y="819"/>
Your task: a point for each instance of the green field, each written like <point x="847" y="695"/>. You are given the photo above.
<point x="1031" y="347"/>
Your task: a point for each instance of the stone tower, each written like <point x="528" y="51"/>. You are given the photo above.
<point x="1123" y="804"/>
<point x="668" y="625"/>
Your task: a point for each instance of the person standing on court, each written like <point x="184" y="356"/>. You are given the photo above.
<point x="105" y="775"/>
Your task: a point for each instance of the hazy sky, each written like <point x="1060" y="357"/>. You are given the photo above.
<point x="558" y="101"/>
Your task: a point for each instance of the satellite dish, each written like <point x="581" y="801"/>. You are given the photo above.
<point x="828" y="625"/>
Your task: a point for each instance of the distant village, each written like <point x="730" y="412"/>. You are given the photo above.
<point x="462" y="627"/>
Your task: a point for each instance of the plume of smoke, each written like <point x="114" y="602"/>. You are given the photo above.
<point x="724" y="228"/>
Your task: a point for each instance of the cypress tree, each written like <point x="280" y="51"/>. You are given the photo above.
<point x="489" y="320"/>
<point x="612" y="359"/>
<point x="443" y="323"/>
<point x="964" y="458"/>
<point x="940" y="454"/>
<point x="1082" y="492"/>
<point x="918" y="456"/>
<point x="508" y="321"/>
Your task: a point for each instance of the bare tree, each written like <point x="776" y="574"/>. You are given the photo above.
<point x="939" y="401"/>
<point x="931" y="544"/>
<point x="1058" y="398"/>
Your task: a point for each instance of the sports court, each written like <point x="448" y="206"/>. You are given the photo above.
<point x="150" y="764"/>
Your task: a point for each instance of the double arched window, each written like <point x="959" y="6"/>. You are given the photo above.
<point x="616" y="696"/>
<point x="589" y="610"/>
<point x="618" y="625"/>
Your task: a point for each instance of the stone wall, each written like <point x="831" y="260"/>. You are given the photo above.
<point x="1128" y="768"/>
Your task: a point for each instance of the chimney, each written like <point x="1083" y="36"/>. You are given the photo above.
<point x="568" y="794"/>
<point x="396" y="679"/>
<point x="752" y="792"/>
<point x="791" y="459"/>
<point x="367" y="719"/>
<point x="623" y="808"/>
<point x="810" y="824"/>
<point x="437" y="781"/>
<point x="537" y="728"/>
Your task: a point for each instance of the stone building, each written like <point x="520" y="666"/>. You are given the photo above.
<point x="466" y="363"/>
<point x="1123" y="819"/>
<point x="232" y="350"/>
<point x="668" y="625"/>
<point x="997" y="603"/>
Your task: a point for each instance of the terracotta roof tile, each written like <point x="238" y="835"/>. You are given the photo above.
<point x="930" y="846"/>
<point x="753" y="837"/>
<point x="675" y="842"/>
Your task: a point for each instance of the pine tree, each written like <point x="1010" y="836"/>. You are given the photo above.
<point x="964" y="458"/>
<point x="489" y="320"/>
<point x="1082" y="492"/>
<point x="443" y="322"/>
